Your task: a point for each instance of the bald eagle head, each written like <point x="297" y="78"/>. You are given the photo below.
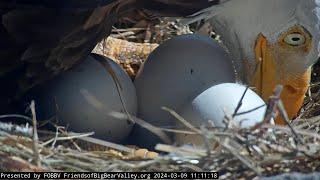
<point x="272" y="42"/>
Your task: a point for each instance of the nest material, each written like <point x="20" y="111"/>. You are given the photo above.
<point x="238" y="153"/>
<point x="268" y="150"/>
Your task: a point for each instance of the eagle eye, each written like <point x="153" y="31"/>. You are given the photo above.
<point x="295" y="39"/>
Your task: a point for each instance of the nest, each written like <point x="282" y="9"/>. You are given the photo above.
<point x="264" y="150"/>
<point x="241" y="153"/>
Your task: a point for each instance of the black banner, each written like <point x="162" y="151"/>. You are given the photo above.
<point x="109" y="175"/>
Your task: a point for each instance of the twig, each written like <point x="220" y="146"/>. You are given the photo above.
<point x="181" y="150"/>
<point x="61" y="130"/>
<point x="235" y="153"/>
<point x="206" y="140"/>
<point x="271" y="107"/>
<point x="307" y="122"/>
<point x="313" y="85"/>
<point x="15" y="116"/>
<point x="201" y="132"/>
<point x="35" y="135"/>
<point x="178" y="131"/>
<point x="155" y="130"/>
<point x="128" y="29"/>
<point x="122" y="35"/>
<point x="299" y="131"/>
<point x="285" y="117"/>
<point x="116" y="81"/>
<point x="75" y="136"/>
<point x="182" y="120"/>
<point x="240" y="102"/>
<point x="107" y="144"/>
<point x="56" y="136"/>
<point x="272" y="103"/>
<point x="249" y="111"/>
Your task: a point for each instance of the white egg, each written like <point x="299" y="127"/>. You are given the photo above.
<point x="86" y="99"/>
<point x="175" y="73"/>
<point x="213" y="104"/>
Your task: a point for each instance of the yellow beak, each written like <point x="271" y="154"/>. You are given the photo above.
<point x="269" y="74"/>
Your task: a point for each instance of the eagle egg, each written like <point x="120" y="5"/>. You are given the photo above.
<point x="86" y="99"/>
<point x="212" y="106"/>
<point x="174" y="73"/>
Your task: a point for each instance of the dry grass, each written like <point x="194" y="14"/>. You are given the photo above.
<point x="267" y="150"/>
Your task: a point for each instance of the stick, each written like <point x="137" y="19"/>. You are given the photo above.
<point x="68" y="137"/>
<point x="249" y="111"/>
<point x="271" y="107"/>
<point x="15" y="116"/>
<point x="285" y="117"/>
<point x="35" y="135"/>
<point x="240" y="102"/>
<point x="155" y="130"/>
<point x="182" y="120"/>
<point x="106" y="144"/>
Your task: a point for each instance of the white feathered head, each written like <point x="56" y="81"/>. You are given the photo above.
<point x="272" y="42"/>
